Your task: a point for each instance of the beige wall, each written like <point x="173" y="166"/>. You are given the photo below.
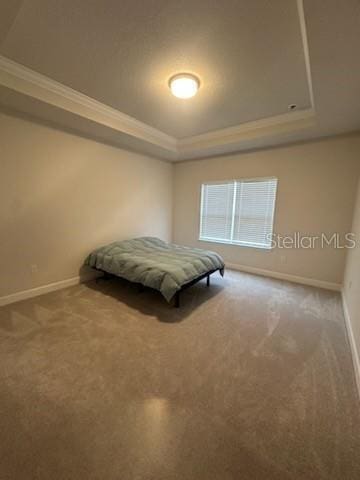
<point x="62" y="195"/>
<point x="316" y="191"/>
<point x="352" y="280"/>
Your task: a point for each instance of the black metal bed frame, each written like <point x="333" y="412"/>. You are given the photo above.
<point x="191" y="283"/>
<point x="176" y="297"/>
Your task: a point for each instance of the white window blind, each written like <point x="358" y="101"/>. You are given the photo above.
<point x="239" y="212"/>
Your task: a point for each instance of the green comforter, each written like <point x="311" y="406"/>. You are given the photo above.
<point x="154" y="263"/>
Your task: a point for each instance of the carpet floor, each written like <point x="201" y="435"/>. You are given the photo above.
<point x="250" y="379"/>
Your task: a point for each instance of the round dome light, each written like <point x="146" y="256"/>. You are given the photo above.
<point x="184" y="85"/>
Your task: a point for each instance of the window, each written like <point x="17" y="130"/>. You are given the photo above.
<point x="239" y="212"/>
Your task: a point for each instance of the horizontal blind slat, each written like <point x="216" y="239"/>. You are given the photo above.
<point x="254" y="212"/>
<point x="250" y="222"/>
<point x="216" y="211"/>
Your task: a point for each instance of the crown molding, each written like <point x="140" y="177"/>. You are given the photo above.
<point x="264" y="127"/>
<point x="28" y="82"/>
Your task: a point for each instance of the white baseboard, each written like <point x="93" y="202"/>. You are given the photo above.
<point x="354" y="351"/>
<point x="51" y="287"/>
<point x="285" y="276"/>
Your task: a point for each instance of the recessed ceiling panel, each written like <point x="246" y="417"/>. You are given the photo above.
<point x="248" y="55"/>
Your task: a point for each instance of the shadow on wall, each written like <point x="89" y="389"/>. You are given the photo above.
<point x="150" y="302"/>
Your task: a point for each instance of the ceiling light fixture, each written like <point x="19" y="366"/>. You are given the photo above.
<point x="184" y="85"/>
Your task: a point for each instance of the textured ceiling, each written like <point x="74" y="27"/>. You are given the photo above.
<point x="248" y="54"/>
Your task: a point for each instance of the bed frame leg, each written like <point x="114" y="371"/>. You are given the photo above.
<point x="105" y="276"/>
<point x="177" y="300"/>
<point x="208" y="281"/>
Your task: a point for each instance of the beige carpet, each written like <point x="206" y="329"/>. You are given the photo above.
<point x="250" y="379"/>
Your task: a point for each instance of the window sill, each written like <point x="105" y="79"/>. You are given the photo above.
<point x="237" y="244"/>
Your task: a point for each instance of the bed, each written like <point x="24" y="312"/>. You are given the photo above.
<point x="151" y="262"/>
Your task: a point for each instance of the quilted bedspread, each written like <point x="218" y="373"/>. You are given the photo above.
<point x="154" y="263"/>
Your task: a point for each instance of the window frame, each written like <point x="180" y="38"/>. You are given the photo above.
<point x="231" y="242"/>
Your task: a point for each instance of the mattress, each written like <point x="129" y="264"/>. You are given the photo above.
<point x="154" y="263"/>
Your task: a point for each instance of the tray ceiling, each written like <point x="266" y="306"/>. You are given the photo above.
<point x="249" y="56"/>
<point x="113" y="60"/>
